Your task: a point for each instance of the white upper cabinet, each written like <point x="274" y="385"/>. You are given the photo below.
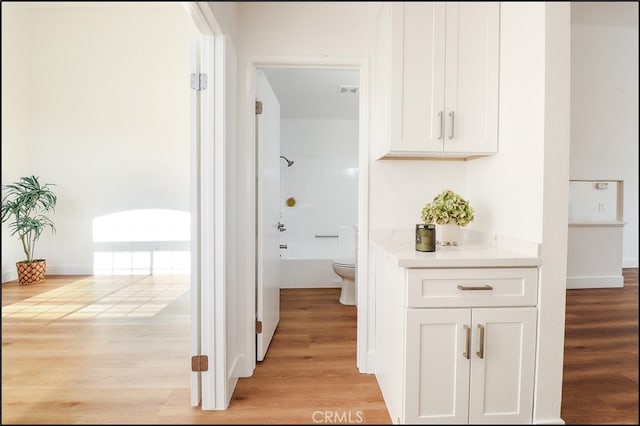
<point x="437" y="69"/>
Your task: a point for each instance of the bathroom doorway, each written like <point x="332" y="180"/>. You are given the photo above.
<point x="319" y="170"/>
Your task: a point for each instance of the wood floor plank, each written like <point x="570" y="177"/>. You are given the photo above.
<point x="125" y="360"/>
<point x="128" y="367"/>
<point x="600" y="378"/>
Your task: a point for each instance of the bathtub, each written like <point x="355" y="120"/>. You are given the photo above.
<point x="308" y="273"/>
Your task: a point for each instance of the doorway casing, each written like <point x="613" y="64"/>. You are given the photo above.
<point x="365" y="294"/>
<point x="209" y="387"/>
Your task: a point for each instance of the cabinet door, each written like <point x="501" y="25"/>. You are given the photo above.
<point x="471" y="79"/>
<point x="437" y="368"/>
<point x="502" y="365"/>
<point x="417" y="77"/>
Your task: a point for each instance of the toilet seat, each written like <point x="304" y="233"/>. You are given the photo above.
<point x="347" y="262"/>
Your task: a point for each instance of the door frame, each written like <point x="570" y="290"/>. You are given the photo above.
<point x="365" y="292"/>
<point x="207" y="182"/>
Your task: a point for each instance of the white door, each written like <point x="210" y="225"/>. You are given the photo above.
<point x="471" y="89"/>
<point x="437" y="378"/>
<point x="417" y="67"/>
<point x="502" y="365"/>
<point x="268" y="215"/>
<point x="208" y="376"/>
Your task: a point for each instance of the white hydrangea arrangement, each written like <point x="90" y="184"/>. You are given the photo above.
<point x="448" y="207"/>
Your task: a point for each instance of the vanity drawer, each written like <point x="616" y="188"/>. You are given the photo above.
<point x="472" y="287"/>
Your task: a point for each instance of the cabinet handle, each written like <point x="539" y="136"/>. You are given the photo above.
<point x="441" y="119"/>
<point x="467" y="351"/>
<point x="452" y="115"/>
<point x="480" y="352"/>
<point x="470" y="287"/>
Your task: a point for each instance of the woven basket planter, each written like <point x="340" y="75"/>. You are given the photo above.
<point x="31" y="273"/>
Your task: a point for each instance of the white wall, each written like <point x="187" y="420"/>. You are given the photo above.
<point x="587" y="202"/>
<point x="226" y="15"/>
<point x="506" y="189"/>
<point x="108" y="117"/>
<point x="15" y="116"/>
<point x="324" y="182"/>
<point x="604" y="108"/>
<point x="401" y="188"/>
<point x="555" y="203"/>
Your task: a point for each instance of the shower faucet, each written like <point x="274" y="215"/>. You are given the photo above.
<point x="289" y="162"/>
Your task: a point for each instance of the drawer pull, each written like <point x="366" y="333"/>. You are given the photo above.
<point x="480" y="352"/>
<point x="468" y="345"/>
<point x="470" y="287"/>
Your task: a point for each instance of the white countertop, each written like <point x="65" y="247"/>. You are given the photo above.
<point x="476" y="252"/>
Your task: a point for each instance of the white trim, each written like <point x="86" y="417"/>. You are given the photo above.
<point x="315" y="62"/>
<point x="631" y="262"/>
<point x="364" y="293"/>
<point x="203" y="17"/>
<point x="194" y="191"/>
<point x="208" y="218"/>
<point x="211" y="306"/>
<point x="363" y="296"/>
<point x="222" y="396"/>
<point x="597" y="224"/>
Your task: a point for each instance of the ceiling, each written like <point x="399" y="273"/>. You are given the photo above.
<point x="312" y="93"/>
<point x="611" y="14"/>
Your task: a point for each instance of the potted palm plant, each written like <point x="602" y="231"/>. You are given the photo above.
<point x="27" y="203"/>
<point x="448" y="211"/>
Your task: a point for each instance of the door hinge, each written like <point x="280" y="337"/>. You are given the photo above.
<point x="199" y="363"/>
<point x="258" y="327"/>
<point x="258" y="107"/>
<point x="198" y="81"/>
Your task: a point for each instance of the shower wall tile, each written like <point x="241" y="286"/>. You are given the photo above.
<point x="324" y="182"/>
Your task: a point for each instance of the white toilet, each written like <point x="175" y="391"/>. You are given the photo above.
<point x="345" y="264"/>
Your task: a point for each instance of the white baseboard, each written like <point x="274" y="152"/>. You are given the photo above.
<point x="630" y="263"/>
<point x="232" y="379"/>
<point x="557" y="421"/>
<point x="607" y="281"/>
<point x="310" y="285"/>
<point x="370" y="368"/>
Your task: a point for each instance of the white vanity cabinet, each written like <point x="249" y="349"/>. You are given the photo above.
<point x="457" y="344"/>
<point x="438" y="67"/>
<point x="470" y="365"/>
<point x="473" y="364"/>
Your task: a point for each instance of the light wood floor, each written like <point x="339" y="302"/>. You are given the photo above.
<point x="89" y="350"/>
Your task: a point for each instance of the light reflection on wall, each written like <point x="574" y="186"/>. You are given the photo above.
<point x="142" y="242"/>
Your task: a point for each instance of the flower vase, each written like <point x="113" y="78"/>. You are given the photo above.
<point x="448" y="234"/>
